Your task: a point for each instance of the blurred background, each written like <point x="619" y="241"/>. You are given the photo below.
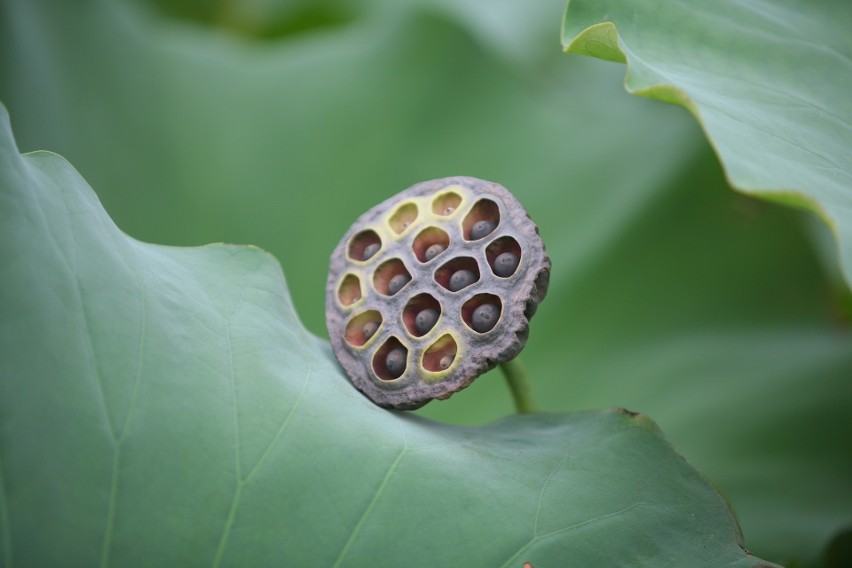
<point x="277" y="122"/>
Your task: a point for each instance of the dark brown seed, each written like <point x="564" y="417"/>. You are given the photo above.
<point x="370" y="250"/>
<point x="425" y="320"/>
<point x="481" y="229"/>
<point x="369" y="329"/>
<point x="461" y="279"/>
<point x="397" y="282"/>
<point x="485" y="317"/>
<point x="506" y="264"/>
<point x="433" y="251"/>
<point x="395" y="362"/>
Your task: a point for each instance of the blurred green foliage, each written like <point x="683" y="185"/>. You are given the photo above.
<point x="277" y="124"/>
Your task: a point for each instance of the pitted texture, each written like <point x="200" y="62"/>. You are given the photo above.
<point x="434" y="248"/>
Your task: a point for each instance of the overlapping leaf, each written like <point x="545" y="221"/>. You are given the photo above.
<point x="769" y="81"/>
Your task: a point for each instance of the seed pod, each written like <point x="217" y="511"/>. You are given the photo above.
<point x="433" y="328"/>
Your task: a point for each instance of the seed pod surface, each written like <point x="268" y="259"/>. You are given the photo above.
<point x="407" y="361"/>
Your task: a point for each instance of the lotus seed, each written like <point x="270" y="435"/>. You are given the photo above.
<point x="461" y="279"/>
<point x="397" y="282"/>
<point x="449" y="210"/>
<point x="445" y="362"/>
<point x="433" y="251"/>
<point x="369" y="329"/>
<point x="395" y="362"/>
<point x="485" y="317"/>
<point x="506" y="264"/>
<point x="480" y="229"/>
<point x="370" y="250"/>
<point x="425" y="320"/>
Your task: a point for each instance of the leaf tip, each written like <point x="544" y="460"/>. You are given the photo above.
<point x="599" y="40"/>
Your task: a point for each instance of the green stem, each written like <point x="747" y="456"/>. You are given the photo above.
<point x="520" y="385"/>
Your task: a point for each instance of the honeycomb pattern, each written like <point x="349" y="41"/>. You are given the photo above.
<point x="432" y="288"/>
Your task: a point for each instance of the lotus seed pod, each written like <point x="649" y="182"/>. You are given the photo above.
<point x="506" y="264"/>
<point x="485" y="317"/>
<point x="406" y="330"/>
<point x="481" y="229"/>
<point x="434" y="251"/>
<point x="371" y="250"/>
<point x="397" y="282"/>
<point x="425" y="320"/>
<point x="395" y="362"/>
<point x="461" y="279"/>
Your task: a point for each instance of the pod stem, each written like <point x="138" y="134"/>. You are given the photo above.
<point x="520" y="385"/>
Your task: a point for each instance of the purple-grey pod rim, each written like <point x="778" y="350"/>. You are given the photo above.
<point x="441" y="211"/>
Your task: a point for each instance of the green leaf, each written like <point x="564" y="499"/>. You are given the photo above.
<point x="164" y="407"/>
<point x="768" y="81"/>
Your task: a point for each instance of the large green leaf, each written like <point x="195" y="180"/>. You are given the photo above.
<point x="164" y="407"/>
<point x="670" y="294"/>
<point x="769" y="82"/>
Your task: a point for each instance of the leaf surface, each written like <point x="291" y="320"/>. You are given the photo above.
<point x="768" y="81"/>
<point x="164" y="406"/>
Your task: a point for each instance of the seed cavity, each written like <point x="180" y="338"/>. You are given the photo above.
<point x="403" y="218"/>
<point x="349" y="290"/>
<point x="364" y="245"/>
<point x="482" y="312"/>
<point x="462" y="279"/>
<point x="429" y="243"/>
<point x="504" y="256"/>
<point x="369" y="329"/>
<point x="426" y="320"/>
<point x="485" y="317"/>
<point x="481" y="229"/>
<point x="482" y="219"/>
<point x="390" y="277"/>
<point x="395" y="362"/>
<point x="397" y="282"/>
<point x="421" y="314"/>
<point x="458" y="273"/>
<point x="441" y="354"/>
<point x="362" y="327"/>
<point x="390" y="360"/>
<point x="433" y="251"/>
<point x="445" y="204"/>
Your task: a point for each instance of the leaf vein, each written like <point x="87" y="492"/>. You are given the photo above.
<point x="238" y="486"/>
<point x="569" y="528"/>
<point x="359" y="525"/>
<point x="281" y="429"/>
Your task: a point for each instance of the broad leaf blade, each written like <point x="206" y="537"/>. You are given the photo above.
<point x="163" y="406"/>
<point x="768" y="81"/>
